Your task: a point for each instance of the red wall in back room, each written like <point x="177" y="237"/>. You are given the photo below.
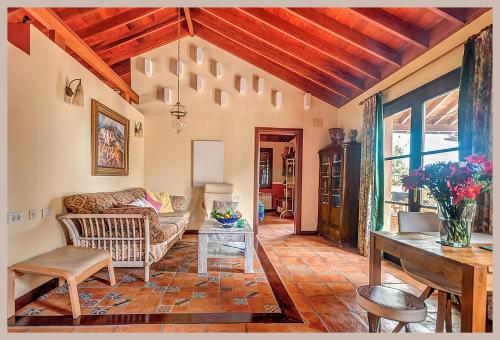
<point x="277" y="190"/>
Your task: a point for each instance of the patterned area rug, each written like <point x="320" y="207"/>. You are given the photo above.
<point x="174" y="287"/>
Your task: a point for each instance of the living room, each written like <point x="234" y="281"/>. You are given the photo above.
<point x="78" y="77"/>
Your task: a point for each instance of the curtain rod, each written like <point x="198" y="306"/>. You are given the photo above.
<point x="441" y="56"/>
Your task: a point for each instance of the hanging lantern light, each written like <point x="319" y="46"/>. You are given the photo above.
<point x="178" y="111"/>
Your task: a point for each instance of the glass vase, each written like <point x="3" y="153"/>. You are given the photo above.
<point x="456" y="224"/>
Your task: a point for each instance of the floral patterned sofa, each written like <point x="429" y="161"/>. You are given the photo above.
<point x="104" y="220"/>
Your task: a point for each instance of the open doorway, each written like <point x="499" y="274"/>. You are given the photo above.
<point x="278" y="179"/>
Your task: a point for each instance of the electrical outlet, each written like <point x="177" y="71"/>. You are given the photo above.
<point x="14" y="217"/>
<point x="46" y="212"/>
<point x="33" y="214"/>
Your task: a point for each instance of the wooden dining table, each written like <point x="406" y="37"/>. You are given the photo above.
<point x="476" y="264"/>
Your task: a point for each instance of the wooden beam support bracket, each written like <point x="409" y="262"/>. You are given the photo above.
<point x="187" y="15"/>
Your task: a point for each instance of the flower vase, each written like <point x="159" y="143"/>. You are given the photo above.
<point x="456" y="224"/>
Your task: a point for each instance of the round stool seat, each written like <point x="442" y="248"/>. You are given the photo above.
<point x="391" y="303"/>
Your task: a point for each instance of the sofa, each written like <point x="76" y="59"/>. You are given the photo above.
<point x="135" y="236"/>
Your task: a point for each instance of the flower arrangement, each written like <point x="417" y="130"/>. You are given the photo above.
<point x="455" y="187"/>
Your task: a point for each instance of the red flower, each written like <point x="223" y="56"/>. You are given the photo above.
<point x="476" y="159"/>
<point x="471" y="190"/>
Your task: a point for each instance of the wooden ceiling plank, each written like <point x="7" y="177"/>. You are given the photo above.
<point x="120" y="53"/>
<point x="455" y="15"/>
<point x="115" y="21"/>
<point x="136" y="34"/>
<point x="295" y="32"/>
<point x="438" y="104"/>
<point x="452" y="111"/>
<point x="267" y="65"/>
<point x="48" y="18"/>
<point x="187" y="15"/>
<point x="216" y="21"/>
<point x="297" y="50"/>
<point x="353" y="37"/>
<point x="393" y="25"/>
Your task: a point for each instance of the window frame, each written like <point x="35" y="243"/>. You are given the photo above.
<point x="269" y="151"/>
<point x="415" y="101"/>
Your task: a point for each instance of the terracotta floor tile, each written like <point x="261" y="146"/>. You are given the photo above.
<point x="266" y="328"/>
<point x="331" y="277"/>
<point x="182" y="328"/>
<point x="226" y="328"/>
<point x="139" y="328"/>
<point x="343" y="322"/>
<point x="328" y="304"/>
<point x="312" y="289"/>
<point x="342" y="288"/>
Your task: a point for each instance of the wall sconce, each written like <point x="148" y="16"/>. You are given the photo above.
<point x="76" y="96"/>
<point x="307" y="101"/>
<point x="138" y="130"/>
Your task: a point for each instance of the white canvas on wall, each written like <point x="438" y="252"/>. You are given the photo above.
<point x="208" y="162"/>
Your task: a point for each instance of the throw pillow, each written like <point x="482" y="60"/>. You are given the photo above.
<point x="222" y="207"/>
<point x="163" y="198"/>
<point x="142" y="203"/>
<point x="155" y="204"/>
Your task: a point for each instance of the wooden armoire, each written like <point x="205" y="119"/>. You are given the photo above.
<point x="338" y="197"/>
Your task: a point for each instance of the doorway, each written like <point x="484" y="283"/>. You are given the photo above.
<point x="278" y="178"/>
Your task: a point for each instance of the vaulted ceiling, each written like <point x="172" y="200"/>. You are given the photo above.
<point x="333" y="53"/>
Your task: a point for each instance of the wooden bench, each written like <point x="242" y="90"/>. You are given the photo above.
<point x="70" y="264"/>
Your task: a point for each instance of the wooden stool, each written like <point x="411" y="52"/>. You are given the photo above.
<point x="70" y="263"/>
<point x="390" y="303"/>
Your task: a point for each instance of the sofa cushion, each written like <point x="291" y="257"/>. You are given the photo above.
<point x="157" y="235"/>
<point x="178" y="202"/>
<point x="137" y="192"/>
<point x="175" y="217"/>
<point x="123" y="197"/>
<point x="93" y="203"/>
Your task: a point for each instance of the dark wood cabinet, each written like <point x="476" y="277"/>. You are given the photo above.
<point x="338" y="196"/>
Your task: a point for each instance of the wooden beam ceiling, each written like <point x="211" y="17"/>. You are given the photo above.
<point x="343" y="32"/>
<point x="214" y="20"/>
<point x="187" y="15"/>
<point x="51" y="20"/>
<point x="333" y="53"/>
<point x="393" y="25"/>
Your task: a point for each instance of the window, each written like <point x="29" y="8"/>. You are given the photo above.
<point x="420" y="127"/>
<point x="266" y="168"/>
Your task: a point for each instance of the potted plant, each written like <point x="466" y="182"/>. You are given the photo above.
<point x="455" y="186"/>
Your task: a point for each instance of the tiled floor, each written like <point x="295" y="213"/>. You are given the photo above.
<point x="174" y="287"/>
<point x="321" y="279"/>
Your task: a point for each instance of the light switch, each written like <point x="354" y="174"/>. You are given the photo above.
<point x="33" y="214"/>
<point x="46" y="212"/>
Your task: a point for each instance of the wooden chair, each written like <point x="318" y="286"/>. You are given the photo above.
<point x="71" y="264"/>
<point x="392" y="304"/>
<point x="443" y="280"/>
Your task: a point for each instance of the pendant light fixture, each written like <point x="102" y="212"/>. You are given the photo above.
<point x="178" y="111"/>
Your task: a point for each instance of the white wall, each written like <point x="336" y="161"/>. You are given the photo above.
<point x="168" y="155"/>
<point x="49" y="145"/>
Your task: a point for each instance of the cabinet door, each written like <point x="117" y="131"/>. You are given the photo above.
<point x="336" y="188"/>
<point x="324" y="190"/>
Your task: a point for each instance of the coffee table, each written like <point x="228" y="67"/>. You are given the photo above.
<point x="215" y="241"/>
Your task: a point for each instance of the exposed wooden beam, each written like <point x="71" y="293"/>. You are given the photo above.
<point x="452" y="111"/>
<point x="18" y="34"/>
<point x="57" y="39"/>
<point x="393" y="25"/>
<point x="137" y="33"/>
<point x="115" y="21"/>
<point x="267" y="65"/>
<point x="313" y="41"/>
<point x="349" y="35"/>
<point x="48" y="18"/>
<point x="455" y="15"/>
<point x="132" y="48"/>
<point x="218" y="21"/>
<point x="187" y="15"/>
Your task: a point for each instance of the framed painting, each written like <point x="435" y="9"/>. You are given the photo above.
<point x="110" y="141"/>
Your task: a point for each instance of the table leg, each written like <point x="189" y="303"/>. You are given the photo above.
<point x="249" y="253"/>
<point x="473" y="318"/>
<point x="202" y="253"/>
<point x="375" y="277"/>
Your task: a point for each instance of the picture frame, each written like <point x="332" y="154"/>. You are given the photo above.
<point x="110" y="141"/>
